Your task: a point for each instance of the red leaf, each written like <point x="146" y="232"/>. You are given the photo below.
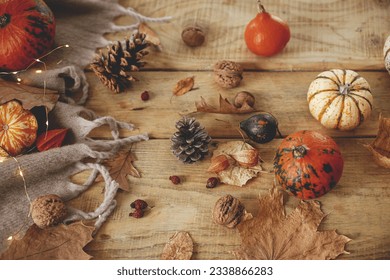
<point x="52" y="139"/>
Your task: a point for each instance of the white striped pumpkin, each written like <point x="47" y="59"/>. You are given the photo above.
<point x="386" y="54"/>
<point x="340" y="99"/>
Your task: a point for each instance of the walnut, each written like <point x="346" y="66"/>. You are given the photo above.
<point x="228" y="74"/>
<point x="48" y="210"/>
<point x="193" y="36"/>
<point x="229" y="212"/>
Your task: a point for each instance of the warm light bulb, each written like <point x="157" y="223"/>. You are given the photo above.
<point x="21" y="173"/>
<point x="19" y="79"/>
<point x="38" y="71"/>
<point x="10" y="238"/>
<point x="66" y="46"/>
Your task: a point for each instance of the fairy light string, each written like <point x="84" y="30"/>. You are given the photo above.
<point x="19" y="170"/>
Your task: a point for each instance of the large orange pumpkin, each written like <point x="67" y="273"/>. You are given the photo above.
<point x="18" y="128"/>
<point x="308" y="164"/>
<point x="27" y="29"/>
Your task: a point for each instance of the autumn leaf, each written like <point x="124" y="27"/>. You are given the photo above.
<point x="225" y="107"/>
<point x="380" y="148"/>
<point x="273" y="235"/>
<point x="183" y="86"/>
<point x="30" y="97"/>
<point x="51" y="139"/>
<point x="151" y="35"/>
<point x="179" y="247"/>
<point x="238" y="171"/>
<point x="62" y="242"/>
<point x="121" y="166"/>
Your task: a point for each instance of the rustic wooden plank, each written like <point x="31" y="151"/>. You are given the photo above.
<point x="281" y="93"/>
<point x="324" y="34"/>
<point x="358" y="207"/>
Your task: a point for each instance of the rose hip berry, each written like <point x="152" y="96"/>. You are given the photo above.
<point x="139" y="204"/>
<point x="212" y="182"/>
<point x="145" y="96"/>
<point x="175" y="179"/>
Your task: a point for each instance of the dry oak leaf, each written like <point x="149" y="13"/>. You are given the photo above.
<point x="62" y="242"/>
<point x="151" y="35"/>
<point x="119" y="167"/>
<point x="272" y="235"/>
<point x="30" y="97"/>
<point x="225" y="107"/>
<point x="380" y="148"/>
<point x="235" y="174"/>
<point x="179" y="247"/>
<point x="183" y="86"/>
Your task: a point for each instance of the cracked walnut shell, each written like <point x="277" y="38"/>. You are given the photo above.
<point x="48" y="210"/>
<point x="229" y="212"/>
<point x="228" y="74"/>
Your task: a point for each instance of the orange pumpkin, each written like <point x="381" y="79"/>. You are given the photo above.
<point x="308" y="164"/>
<point x="18" y="128"/>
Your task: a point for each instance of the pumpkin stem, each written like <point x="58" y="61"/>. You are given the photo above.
<point x="300" y="151"/>
<point x="345" y="89"/>
<point x="4" y="20"/>
<point x="260" y="7"/>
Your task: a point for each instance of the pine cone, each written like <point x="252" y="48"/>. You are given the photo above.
<point x="112" y="69"/>
<point x="190" y="142"/>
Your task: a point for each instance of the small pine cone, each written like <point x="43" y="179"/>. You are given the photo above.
<point x="190" y="142"/>
<point x="112" y="68"/>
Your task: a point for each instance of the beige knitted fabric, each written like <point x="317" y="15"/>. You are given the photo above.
<point x="48" y="172"/>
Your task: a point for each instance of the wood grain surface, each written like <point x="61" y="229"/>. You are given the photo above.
<point x="326" y="34"/>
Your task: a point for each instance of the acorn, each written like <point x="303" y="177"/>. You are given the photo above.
<point x="260" y="128"/>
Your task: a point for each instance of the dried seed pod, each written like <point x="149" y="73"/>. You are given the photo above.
<point x="244" y="97"/>
<point x="48" y="210"/>
<point x="219" y="163"/>
<point x="229" y="212"/>
<point x="247" y="158"/>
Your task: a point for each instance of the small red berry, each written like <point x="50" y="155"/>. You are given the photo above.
<point x="138" y="213"/>
<point x="212" y="182"/>
<point x="145" y="96"/>
<point x="139" y="204"/>
<point x="175" y="179"/>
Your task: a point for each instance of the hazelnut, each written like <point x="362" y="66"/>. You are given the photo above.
<point x="193" y="36"/>
<point x="229" y="212"/>
<point x="228" y="74"/>
<point x="244" y="97"/>
<point x="48" y="210"/>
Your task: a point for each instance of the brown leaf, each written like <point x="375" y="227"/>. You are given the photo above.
<point x="183" y="86"/>
<point x="121" y="166"/>
<point x="238" y="173"/>
<point x="273" y="235"/>
<point x="380" y="148"/>
<point x="151" y="35"/>
<point x="52" y="139"/>
<point x="225" y="107"/>
<point x="63" y="242"/>
<point x="179" y="247"/>
<point x="29" y="96"/>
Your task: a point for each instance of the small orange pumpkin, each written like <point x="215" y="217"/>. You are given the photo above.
<point x="18" y="128"/>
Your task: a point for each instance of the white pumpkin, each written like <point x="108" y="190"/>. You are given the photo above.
<point x="340" y="99"/>
<point x="386" y="54"/>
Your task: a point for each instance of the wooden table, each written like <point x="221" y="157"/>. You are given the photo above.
<point x="326" y="34"/>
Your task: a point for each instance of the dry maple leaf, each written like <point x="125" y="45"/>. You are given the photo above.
<point x="183" y="86"/>
<point x="151" y="36"/>
<point x="121" y="166"/>
<point x="235" y="174"/>
<point x="62" y="242"/>
<point x="273" y="235"/>
<point x="29" y="96"/>
<point x="225" y="107"/>
<point x="179" y="247"/>
<point x="380" y="148"/>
